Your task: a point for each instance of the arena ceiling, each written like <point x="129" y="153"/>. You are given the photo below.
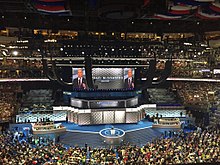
<point x="158" y="16"/>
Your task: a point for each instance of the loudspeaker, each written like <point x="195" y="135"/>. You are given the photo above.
<point x="46" y="70"/>
<point x="88" y="70"/>
<point x="150" y="74"/>
<point x="165" y="73"/>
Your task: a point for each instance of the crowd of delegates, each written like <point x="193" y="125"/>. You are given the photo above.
<point x="8" y="100"/>
<point x="191" y="69"/>
<point x="34" y="69"/>
<point x="197" y="94"/>
<point x="181" y="69"/>
<point x="21" y="69"/>
<point x="200" y="146"/>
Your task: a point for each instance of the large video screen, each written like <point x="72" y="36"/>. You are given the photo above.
<point x="81" y="103"/>
<point x="79" y="78"/>
<point x="105" y="78"/>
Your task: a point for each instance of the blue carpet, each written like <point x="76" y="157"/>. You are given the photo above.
<point x="19" y="127"/>
<point x="88" y="134"/>
<point x="96" y="128"/>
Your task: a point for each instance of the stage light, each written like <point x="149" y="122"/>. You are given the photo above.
<point x="203" y="45"/>
<point x="186" y="43"/>
<point x="15" y="53"/>
<point x="61" y="49"/>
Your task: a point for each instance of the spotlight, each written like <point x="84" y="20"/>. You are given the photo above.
<point x="15" y="53"/>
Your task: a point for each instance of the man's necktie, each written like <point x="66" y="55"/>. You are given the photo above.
<point x="79" y="82"/>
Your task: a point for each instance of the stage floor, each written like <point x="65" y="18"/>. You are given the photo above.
<point x="96" y="128"/>
<point x="137" y="133"/>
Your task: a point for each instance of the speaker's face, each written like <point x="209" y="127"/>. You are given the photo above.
<point x="80" y="73"/>
<point x="129" y="73"/>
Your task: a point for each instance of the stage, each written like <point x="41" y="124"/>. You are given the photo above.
<point x="135" y="133"/>
<point x="71" y="127"/>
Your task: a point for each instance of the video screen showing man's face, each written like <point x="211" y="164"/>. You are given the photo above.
<point x="128" y="78"/>
<point x="130" y="73"/>
<point x="80" y="73"/>
<point x="79" y="81"/>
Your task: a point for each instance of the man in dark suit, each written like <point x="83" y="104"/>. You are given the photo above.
<point x="129" y="82"/>
<point x="80" y="81"/>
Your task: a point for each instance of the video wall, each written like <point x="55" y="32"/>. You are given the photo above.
<point x="81" y="103"/>
<point x="104" y="78"/>
<point x="79" y="78"/>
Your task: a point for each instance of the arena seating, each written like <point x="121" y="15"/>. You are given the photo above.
<point x="8" y="101"/>
<point x="161" y="96"/>
<point x="37" y="100"/>
<point x="200" y="147"/>
<point x="196" y="94"/>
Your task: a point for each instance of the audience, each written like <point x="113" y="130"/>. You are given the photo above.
<point x="21" y="69"/>
<point x="182" y="148"/>
<point x="8" y="101"/>
<point x="196" y="94"/>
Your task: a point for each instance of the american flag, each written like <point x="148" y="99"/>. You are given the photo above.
<point x="59" y="7"/>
